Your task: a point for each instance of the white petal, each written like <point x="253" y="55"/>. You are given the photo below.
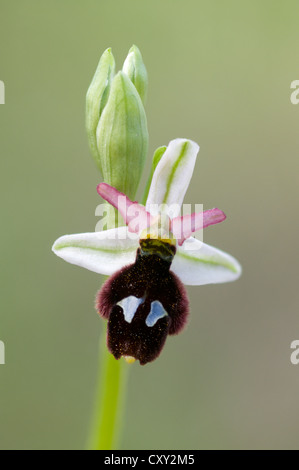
<point x="197" y="264"/>
<point x="102" y="252"/>
<point x="173" y="174"/>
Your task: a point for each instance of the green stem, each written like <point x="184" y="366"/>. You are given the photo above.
<point x="111" y="388"/>
<point x="110" y="401"/>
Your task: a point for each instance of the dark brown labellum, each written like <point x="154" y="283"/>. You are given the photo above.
<point x="143" y="302"/>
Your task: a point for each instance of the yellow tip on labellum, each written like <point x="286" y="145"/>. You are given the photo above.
<point x="129" y="359"/>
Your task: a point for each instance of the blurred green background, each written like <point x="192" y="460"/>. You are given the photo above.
<point x="220" y="74"/>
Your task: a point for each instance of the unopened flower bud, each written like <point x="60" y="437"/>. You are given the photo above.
<point x="96" y="98"/>
<point x="122" y="136"/>
<point x="136" y="71"/>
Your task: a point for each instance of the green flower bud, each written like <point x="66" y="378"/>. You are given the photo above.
<point x="122" y="136"/>
<point x="136" y="71"/>
<point x="96" y="98"/>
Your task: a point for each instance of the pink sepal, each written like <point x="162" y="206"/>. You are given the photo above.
<point x="183" y="227"/>
<point x="135" y="216"/>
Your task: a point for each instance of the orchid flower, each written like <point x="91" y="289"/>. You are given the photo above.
<point x="150" y="259"/>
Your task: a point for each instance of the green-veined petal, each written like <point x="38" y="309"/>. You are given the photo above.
<point x="102" y="252"/>
<point x="197" y="264"/>
<point x="173" y="173"/>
